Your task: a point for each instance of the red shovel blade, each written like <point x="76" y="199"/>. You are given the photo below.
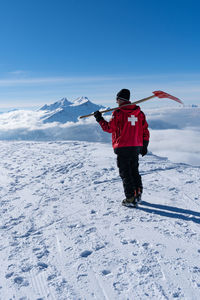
<point x="161" y="94"/>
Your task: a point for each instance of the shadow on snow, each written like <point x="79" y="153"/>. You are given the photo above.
<point x="171" y="212"/>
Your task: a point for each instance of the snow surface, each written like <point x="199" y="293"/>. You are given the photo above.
<point x="65" y="235"/>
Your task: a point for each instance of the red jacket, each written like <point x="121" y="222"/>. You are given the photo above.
<point x="128" y="126"/>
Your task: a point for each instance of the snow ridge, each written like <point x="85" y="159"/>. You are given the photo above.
<point x="64" y="102"/>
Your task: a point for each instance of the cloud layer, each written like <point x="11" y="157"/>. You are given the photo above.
<point x="175" y="133"/>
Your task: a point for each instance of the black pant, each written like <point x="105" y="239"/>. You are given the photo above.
<point x="128" y="163"/>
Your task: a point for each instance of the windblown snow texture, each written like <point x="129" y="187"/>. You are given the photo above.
<point x="65" y="235"/>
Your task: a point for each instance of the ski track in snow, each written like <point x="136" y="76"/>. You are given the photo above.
<point x="65" y="235"/>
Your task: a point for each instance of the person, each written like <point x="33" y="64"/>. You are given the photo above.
<point x="130" y="137"/>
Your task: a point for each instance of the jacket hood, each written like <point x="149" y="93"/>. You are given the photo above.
<point x="132" y="108"/>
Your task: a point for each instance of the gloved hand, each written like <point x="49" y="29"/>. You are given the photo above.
<point x="144" y="149"/>
<point x="98" y="116"/>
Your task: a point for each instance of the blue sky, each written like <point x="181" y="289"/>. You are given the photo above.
<point x="67" y="48"/>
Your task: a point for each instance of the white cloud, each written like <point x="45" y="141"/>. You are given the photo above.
<point x="27" y="125"/>
<point x="179" y="145"/>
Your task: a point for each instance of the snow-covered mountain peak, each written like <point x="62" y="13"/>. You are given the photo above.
<point x="64" y="102"/>
<point x="65" y="111"/>
<point x="80" y="101"/>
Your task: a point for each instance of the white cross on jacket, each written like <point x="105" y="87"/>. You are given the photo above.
<point x="133" y="120"/>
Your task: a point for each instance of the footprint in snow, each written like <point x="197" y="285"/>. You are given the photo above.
<point x="42" y="266"/>
<point x="86" y="253"/>
<point x="20" y="281"/>
<point x="189" y="181"/>
<point x="124" y="242"/>
<point x="145" y="246"/>
<point x="51" y="277"/>
<point x="8" y="275"/>
<point x="99" y="246"/>
<point x="90" y="230"/>
<point x="105" y="272"/>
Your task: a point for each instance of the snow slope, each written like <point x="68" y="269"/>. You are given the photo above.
<point x="65" y="235"/>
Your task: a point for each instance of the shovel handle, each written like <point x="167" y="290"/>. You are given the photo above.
<point x="110" y="109"/>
